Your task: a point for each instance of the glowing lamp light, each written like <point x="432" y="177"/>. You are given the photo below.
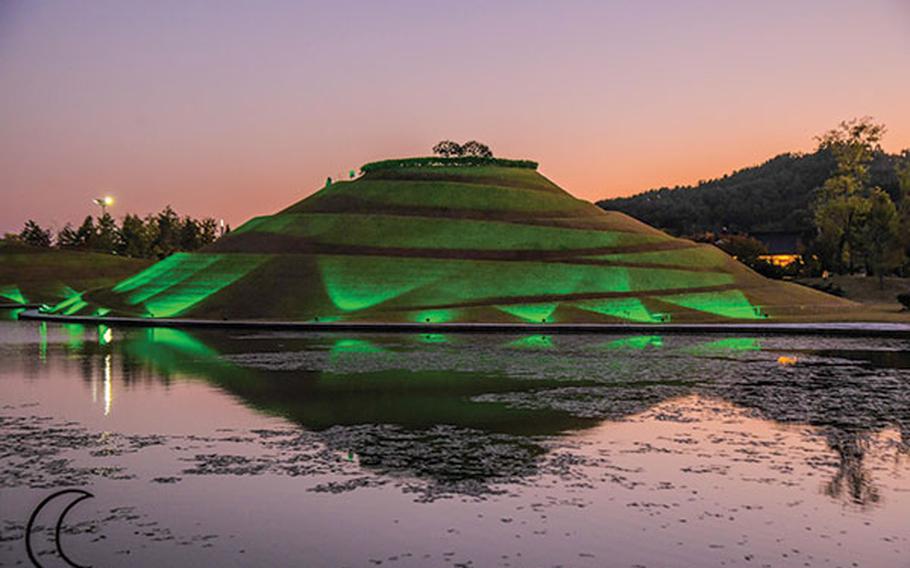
<point x="103" y="202"/>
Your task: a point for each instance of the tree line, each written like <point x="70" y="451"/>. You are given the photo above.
<point x="153" y="236"/>
<point x="849" y="200"/>
<point x="857" y="222"/>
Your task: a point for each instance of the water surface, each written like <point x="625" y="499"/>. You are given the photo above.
<point x="239" y="449"/>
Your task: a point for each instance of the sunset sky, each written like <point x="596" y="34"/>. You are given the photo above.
<point x="235" y="109"/>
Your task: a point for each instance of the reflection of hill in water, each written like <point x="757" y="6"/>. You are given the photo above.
<point x="416" y="419"/>
<point x="477" y="407"/>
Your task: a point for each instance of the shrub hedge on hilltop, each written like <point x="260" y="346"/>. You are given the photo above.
<point x="437" y="162"/>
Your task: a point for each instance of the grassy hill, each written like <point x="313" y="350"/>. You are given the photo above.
<point x="774" y="196"/>
<point x="453" y="244"/>
<point x="39" y="275"/>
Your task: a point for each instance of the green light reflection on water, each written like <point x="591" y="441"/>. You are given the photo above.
<point x="728" y="344"/>
<point x="75" y="333"/>
<point x="105" y="335"/>
<point x="42" y="341"/>
<point x="533" y="342"/>
<point x="355" y="346"/>
<point x="432" y="338"/>
<point x="638" y="342"/>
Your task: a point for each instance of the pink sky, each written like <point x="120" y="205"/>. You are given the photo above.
<point x="234" y="109"/>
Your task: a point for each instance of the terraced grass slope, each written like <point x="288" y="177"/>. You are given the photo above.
<point x="32" y="275"/>
<point x="452" y="244"/>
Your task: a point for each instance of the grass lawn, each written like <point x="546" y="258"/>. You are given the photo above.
<point x="866" y="290"/>
<point x="37" y="275"/>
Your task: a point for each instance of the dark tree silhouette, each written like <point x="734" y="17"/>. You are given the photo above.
<point x="190" y="237"/>
<point x="167" y="235"/>
<point x="448" y="149"/>
<point x="476" y="149"/>
<point x="34" y="235"/>
<point x="852" y="482"/>
<point x="746" y="249"/>
<point x="107" y="236"/>
<point x="67" y="237"/>
<point x="86" y="234"/>
<point x="135" y="237"/>
<point x="208" y="231"/>
<point x="154" y="236"/>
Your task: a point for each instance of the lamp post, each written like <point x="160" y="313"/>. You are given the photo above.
<point x="103" y="203"/>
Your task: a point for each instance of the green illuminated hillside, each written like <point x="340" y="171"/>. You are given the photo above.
<point x="33" y="275"/>
<point x="452" y="244"/>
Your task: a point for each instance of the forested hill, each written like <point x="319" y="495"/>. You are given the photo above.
<point x="773" y="196"/>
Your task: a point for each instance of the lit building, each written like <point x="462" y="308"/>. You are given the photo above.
<point x="784" y="247"/>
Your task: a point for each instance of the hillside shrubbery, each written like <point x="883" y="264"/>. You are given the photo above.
<point x="438" y="162"/>
<point x="451" y="154"/>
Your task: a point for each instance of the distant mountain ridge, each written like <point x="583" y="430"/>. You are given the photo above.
<point x="773" y="196"/>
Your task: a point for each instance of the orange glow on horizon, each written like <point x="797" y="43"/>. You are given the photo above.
<point x="611" y="98"/>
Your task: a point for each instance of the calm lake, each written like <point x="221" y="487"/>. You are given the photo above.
<point x="288" y="449"/>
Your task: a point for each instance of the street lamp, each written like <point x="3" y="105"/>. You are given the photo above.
<point x="103" y="203"/>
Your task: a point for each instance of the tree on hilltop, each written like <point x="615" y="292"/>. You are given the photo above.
<point x="471" y="148"/>
<point x="476" y="149"/>
<point x="448" y="149"/>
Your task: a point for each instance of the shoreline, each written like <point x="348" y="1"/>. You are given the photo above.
<point x="849" y="329"/>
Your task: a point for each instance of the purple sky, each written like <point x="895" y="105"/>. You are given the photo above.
<point x="233" y="109"/>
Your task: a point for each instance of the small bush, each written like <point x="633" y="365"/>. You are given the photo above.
<point x="829" y="288"/>
<point x="904" y="299"/>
